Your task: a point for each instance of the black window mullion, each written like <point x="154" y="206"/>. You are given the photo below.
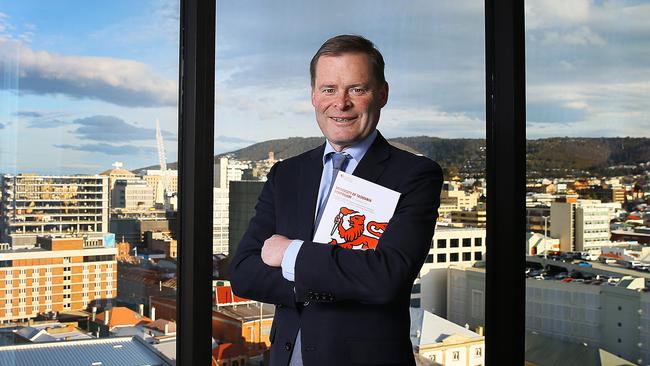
<point x="506" y="170"/>
<point x="196" y="140"/>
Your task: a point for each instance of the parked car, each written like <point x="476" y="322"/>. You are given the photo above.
<point x="584" y="264"/>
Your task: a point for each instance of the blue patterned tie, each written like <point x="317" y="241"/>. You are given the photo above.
<point x="338" y="162"/>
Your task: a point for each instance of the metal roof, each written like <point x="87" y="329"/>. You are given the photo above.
<point x="119" y="351"/>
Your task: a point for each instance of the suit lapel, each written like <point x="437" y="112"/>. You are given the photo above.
<point x="372" y="164"/>
<point x="307" y="192"/>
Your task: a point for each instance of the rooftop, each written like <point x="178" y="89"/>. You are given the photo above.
<point x="428" y="328"/>
<point x="122" y="316"/>
<point x="118" y="351"/>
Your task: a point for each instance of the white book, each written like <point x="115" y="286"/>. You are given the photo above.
<point x="356" y="213"/>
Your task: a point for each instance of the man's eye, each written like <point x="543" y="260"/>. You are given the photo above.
<point x="328" y="90"/>
<point x="358" y="90"/>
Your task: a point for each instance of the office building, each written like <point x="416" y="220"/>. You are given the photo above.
<point x="131" y="226"/>
<point x="220" y="221"/>
<point x="156" y="180"/>
<point x="243" y="198"/>
<point x="449" y="246"/>
<point x="62" y="274"/>
<point x="613" y="316"/>
<point x="132" y="195"/>
<point x="453" y="198"/>
<point x="473" y="218"/>
<point x="581" y="225"/>
<point x="33" y="205"/>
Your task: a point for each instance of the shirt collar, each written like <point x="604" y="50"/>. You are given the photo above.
<point x="356" y="151"/>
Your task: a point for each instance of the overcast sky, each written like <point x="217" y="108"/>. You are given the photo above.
<point x="82" y="83"/>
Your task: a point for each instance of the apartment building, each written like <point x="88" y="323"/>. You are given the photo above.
<point x="33" y="205"/>
<point x="62" y="274"/>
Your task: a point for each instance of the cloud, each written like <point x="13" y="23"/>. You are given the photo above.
<point x="230" y="139"/>
<point x="110" y="128"/>
<point x="418" y="120"/>
<point x="581" y="37"/>
<point x="32" y="114"/>
<point x="546" y="13"/>
<point x="109" y="149"/>
<point x="117" y="81"/>
<point x="2" y="126"/>
<point x="46" y="123"/>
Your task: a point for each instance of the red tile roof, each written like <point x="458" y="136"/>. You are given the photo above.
<point x="122" y="316"/>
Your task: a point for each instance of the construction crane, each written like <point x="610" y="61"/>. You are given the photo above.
<point x="163" y="165"/>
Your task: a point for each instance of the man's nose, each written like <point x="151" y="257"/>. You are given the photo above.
<point x="343" y="101"/>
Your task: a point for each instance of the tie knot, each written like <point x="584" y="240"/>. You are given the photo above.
<point x="338" y="159"/>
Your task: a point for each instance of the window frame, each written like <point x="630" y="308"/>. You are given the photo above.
<point x="506" y="177"/>
<point x="505" y="173"/>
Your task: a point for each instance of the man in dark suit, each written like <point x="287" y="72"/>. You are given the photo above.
<point x="336" y="306"/>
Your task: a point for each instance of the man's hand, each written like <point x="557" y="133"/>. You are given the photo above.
<point x="273" y="250"/>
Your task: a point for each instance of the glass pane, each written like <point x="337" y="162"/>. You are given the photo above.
<point x="587" y="71"/>
<point x="88" y="137"/>
<point x="434" y="54"/>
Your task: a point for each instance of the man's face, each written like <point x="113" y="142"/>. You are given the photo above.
<point x="346" y="98"/>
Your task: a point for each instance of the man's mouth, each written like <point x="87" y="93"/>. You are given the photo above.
<point x="343" y="119"/>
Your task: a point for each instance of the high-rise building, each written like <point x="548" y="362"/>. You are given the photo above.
<point x="62" y="274"/>
<point x="220" y="221"/>
<point x="228" y="170"/>
<point x="33" y="205"/>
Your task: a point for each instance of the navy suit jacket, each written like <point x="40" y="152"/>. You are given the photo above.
<point x="352" y="306"/>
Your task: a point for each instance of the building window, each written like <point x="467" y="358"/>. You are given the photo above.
<point x="453" y="243"/>
<point x="478" y="256"/>
<point x="442" y="258"/>
<point x="442" y="243"/>
<point x="429" y="258"/>
<point x="467" y="242"/>
<point x="467" y="256"/>
<point x="478" y="352"/>
<point x="478" y="242"/>
<point x="416" y="288"/>
<point x="66" y="260"/>
<point x="415" y="303"/>
<point x="456" y="355"/>
<point x="453" y="257"/>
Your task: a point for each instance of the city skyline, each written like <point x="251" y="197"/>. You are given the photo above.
<point x="56" y="89"/>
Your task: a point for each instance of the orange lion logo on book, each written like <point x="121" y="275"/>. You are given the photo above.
<point x="354" y="237"/>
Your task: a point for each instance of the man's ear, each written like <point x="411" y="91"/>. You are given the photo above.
<point x="383" y="95"/>
<point x="313" y="92"/>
